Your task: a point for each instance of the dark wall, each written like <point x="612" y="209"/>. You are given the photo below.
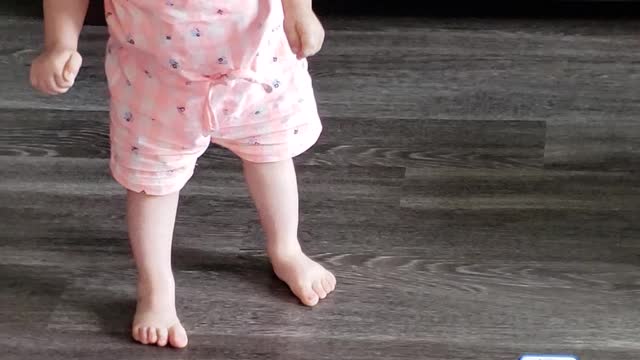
<point x="489" y="8"/>
<point x="478" y="8"/>
<point x="540" y="8"/>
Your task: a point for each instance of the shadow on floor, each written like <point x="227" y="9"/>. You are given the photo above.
<point x="251" y="268"/>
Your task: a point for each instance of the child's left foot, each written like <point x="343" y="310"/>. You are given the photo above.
<point x="307" y="279"/>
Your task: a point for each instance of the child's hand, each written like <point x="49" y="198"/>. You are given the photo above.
<point x="55" y="70"/>
<point x="304" y="31"/>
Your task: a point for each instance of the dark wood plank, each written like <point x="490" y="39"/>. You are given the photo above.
<point x="216" y="213"/>
<point x="439" y="302"/>
<point x="503" y="274"/>
<point x="526" y="214"/>
<point x="402" y="69"/>
<point x="85" y="186"/>
<point x="28" y="292"/>
<point x="607" y="145"/>
<point x="451" y="302"/>
<point x="520" y="70"/>
<point x="344" y="142"/>
<point x="500" y="207"/>
<point x="98" y="345"/>
<point x="521" y="189"/>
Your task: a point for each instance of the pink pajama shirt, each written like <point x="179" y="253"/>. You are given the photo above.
<point x="184" y="73"/>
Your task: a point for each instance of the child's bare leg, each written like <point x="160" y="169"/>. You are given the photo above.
<point x="274" y="189"/>
<point x="151" y="220"/>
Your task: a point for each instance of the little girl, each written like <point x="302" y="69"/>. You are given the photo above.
<point x="183" y="73"/>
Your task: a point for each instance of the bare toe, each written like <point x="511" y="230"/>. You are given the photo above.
<point x="306" y="295"/>
<point x="163" y="335"/>
<point x="332" y="280"/>
<point x="142" y="335"/>
<point x="135" y="333"/>
<point x="326" y="285"/>
<point x="317" y="287"/>
<point x="155" y="315"/>
<point x="178" y="336"/>
<point x="308" y="280"/>
<point x="152" y="336"/>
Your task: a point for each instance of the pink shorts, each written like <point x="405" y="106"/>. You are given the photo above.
<point x="184" y="73"/>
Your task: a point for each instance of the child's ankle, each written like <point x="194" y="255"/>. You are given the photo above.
<point x="284" y="250"/>
<point x="155" y="286"/>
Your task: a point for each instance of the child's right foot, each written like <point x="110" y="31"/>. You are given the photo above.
<point x="156" y="321"/>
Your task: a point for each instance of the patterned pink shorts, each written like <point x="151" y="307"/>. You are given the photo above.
<point x="184" y="73"/>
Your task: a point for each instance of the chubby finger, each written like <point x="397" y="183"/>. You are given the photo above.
<point x="45" y="89"/>
<point x="61" y="82"/>
<point x="292" y="36"/>
<point x="52" y="87"/>
<point x="41" y="85"/>
<point x="72" y="67"/>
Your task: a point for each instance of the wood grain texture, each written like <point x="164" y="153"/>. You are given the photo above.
<point x="432" y="275"/>
<point x="476" y="191"/>
<point x="345" y="142"/>
<point x="430" y="69"/>
<point x="418" y="68"/>
<point x="611" y="144"/>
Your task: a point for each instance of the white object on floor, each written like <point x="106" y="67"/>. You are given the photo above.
<point x="548" y="357"/>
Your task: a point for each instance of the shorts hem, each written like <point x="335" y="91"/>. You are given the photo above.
<point x="299" y="149"/>
<point x="153" y="190"/>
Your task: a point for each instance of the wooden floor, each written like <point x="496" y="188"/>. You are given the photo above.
<point x="476" y="191"/>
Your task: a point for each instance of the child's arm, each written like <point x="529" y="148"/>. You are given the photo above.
<point x="63" y="20"/>
<point x="55" y="70"/>
<point x="304" y="31"/>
